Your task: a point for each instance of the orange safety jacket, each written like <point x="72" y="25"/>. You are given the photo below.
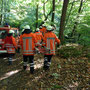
<point x="43" y="30"/>
<point x="39" y="36"/>
<point x="10" y="44"/>
<point x="49" y="41"/>
<point x="28" y="43"/>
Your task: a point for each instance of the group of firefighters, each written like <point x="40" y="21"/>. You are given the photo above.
<point x="44" y="39"/>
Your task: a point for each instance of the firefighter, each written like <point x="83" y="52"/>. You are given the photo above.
<point x="27" y="42"/>
<point x="10" y="45"/>
<point x="39" y="35"/>
<point x="49" y="41"/>
<point x="43" y="29"/>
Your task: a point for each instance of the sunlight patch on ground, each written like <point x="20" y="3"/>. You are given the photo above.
<point x="37" y="78"/>
<point x="14" y="59"/>
<point x="37" y="64"/>
<point x="5" y="58"/>
<point x="9" y="74"/>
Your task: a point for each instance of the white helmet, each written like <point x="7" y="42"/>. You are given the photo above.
<point x="11" y="31"/>
<point x="49" y="28"/>
<point x="37" y="29"/>
<point x="23" y="30"/>
<point x="27" y="27"/>
<point x="40" y="26"/>
<point x="43" y="25"/>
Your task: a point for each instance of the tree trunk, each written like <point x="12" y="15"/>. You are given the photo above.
<point x="53" y="13"/>
<point x="75" y="24"/>
<point x="2" y="13"/>
<point x="69" y="12"/>
<point x="37" y="16"/>
<point x="44" y="9"/>
<point x="62" y="21"/>
<point x="5" y="10"/>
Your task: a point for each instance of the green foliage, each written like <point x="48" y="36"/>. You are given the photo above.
<point x="55" y="75"/>
<point x="69" y="51"/>
<point x="88" y="55"/>
<point x="21" y="12"/>
<point x="83" y="29"/>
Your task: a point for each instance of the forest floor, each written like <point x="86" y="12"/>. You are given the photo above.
<point x="64" y="74"/>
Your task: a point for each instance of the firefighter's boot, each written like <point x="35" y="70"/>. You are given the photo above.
<point x="45" y="63"/>
<point x="10" y="61"/>
<point x="31" y="68"/>
<point x="24" y="65"/>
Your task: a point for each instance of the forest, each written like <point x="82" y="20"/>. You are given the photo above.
<point x="70" y="66"/>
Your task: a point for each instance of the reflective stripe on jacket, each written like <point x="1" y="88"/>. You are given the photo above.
<point x="10" y="44"/>
<point x="49" y="43"/>
<point x="28" y="42"/>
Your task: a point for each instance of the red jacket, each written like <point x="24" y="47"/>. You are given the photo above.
<point x="49" y="41"/>
<point x="10" y="44"/>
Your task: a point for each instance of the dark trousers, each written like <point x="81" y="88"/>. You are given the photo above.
<point x="10" y="58"/>
<point x="47" y="61"/>
<point x="31" y="62"/>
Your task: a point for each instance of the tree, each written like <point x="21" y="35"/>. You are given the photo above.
<point x="2" y="13"/>
<point x="75" y="24"/>
<point x="37" y="16"/>
<point x="62" y="21"/>
<point x="72" y="4"/>
<point x="53" y="13"/>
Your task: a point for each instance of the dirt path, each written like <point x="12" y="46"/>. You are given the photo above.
<point x="71" y="74"/>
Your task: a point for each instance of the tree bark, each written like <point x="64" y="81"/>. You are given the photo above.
<point x="5" y="10"/>
<point x="2" y="13"/>
<point x="53" y="13"/>
<point x="44" y="9"/>
<point x="37" y="16"/>
<point x="62" y="21"/>
<point x="69" y="12"/>
<point x="75" y="24"/>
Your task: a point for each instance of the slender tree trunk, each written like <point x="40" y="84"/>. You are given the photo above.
<point x="5" y="10"/>
<point x="75" y="24"/>
<point x="44" y="9"/>
<point x="37" y="16"/>
<point x="53" y="14"/>
<point x="2" y="11"/>
<point x="62" y="21"/>
<point x="69" y="12"/>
